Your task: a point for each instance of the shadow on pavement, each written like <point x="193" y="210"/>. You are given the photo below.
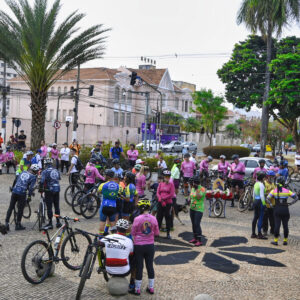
<point x="229" y="241"/>
<point x="254" y="249"/>
<point x="176" y="258"/>
<point x="218" y="263"/>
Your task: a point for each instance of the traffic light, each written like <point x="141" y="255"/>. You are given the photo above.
<point x="91" y="90"/>
<point x="72" y="91"/>
<point x="67" y="123"/>
<point x="133" y="78"/>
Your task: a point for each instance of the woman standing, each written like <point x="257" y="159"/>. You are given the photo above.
<point x="132" y="155"/>
<point x="44" y="152"/>
<point x="140" y="182"/>
<point x="223" y="166"/>
<point x="144" y="228"/>
<point x="197" y="198"/>
<point x="54" y="155"/>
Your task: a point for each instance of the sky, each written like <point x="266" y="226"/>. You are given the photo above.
<point x="192" y="38"/>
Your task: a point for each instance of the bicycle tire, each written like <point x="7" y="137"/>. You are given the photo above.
<point x="102" y="265"/>
<point x="84" y="275"/>
<point x="75" y="203"/>
<point x="217" y="208"/>
<point x="71" y="239"/>
<point x="27" y="211"/>
<point x="69" y="193"/>
<point x="48" y="266"/>
<point x="244" y="201"/>
<point x="89" y="206"/>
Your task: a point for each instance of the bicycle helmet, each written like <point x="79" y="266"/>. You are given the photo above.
<point x="209" y="158"/>
<point x="130" y="176"/>
<point x="109" y="173"/>
<point x="235" y="156"/>
<point x="122" y="224"/>
<point x="139" y="161"/>
<point x="222" y="156"/>
<point x="271" y="173"/>
<point x="29" y="153"/>
<point x="35" y="168"/>
<point x="177" y="160"/>
<point x="187" y="155"/>
<point x="48" y="161"/>
<point x="196" y="180"/>
<point x="115" y="161"/>
<point x="138" y="167"/>
<point x="261" y="161"/>
<point x="260" y="176"/>
<point x="280" y="180"/>
<point x="167" y="173"/>
<point x="54" y="144"/>
<point x="144" y="203"/>
<point x="93" y="161"/>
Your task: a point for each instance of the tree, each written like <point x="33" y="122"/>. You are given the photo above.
<point x="268" y="17"/>
<point x="251" y="129"/>
<point x="41" y="51"/>
<point x="211" y="109"/>
<point x="191" y="125"/>
<point x="233" y="131"/>
<point x="172" y="118"/>
<point x="276" y="135"/>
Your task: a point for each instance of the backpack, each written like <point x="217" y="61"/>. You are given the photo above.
<point x="79" y="164"/>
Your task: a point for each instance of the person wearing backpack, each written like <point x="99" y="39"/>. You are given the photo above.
<point x="116" y="151"/>
<point x="75" y="167"/>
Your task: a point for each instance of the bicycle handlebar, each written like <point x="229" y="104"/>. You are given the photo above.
<point x="96" y="235"/>
<point x="66" y="218"/>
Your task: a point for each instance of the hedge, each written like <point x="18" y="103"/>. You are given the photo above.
<point x="228" y="151"/>
<point x="151" y="162"/>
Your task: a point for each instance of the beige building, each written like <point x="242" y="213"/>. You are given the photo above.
<point x="114" y="110"/>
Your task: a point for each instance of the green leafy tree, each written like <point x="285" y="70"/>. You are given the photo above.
<point x="42" y="51"/>
<point x="269" y="17"/>
<point x="276" y="135"/>
<point x="251" y="129"/>
<point x="211" y="109"/>
<point x="172" y="118"/>
<point x="191" y="125"/>
<point x="233" y="131"/>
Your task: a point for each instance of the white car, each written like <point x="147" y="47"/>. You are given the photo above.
<point x="172" y="146"/>
<point x="190" y="146"/>
<point x="151" y="146"/>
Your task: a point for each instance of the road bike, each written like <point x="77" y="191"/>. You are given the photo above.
<point x="39" y="257"/>
<point x="94" y="250"/>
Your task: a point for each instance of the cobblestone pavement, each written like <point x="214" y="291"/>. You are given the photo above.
<point x="229" y="266"/>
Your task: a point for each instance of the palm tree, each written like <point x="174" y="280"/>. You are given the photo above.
<point x="269" y="17"/>
<point x="42" y="51"/>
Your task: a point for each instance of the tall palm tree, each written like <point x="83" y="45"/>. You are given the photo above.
<point x="42" y="51"/>
<point x="269" y="17"/>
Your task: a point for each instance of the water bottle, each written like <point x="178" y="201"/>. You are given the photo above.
<point x="56" y="243"/>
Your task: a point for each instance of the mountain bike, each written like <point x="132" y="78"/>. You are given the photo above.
<point x="71" y="190"/>
<point x="94" y="250"/>
<point x="246" y="197"/>
<point x="26" y="210"/>
<point x="89" y="205"/>
<point x="39" y="257"/>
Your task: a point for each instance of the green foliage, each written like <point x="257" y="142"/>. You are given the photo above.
<point x="191" y="125"/>
<point x="151" y="162"/>
<point x="216" y="151"/>
<point x="172" y="118"/>
<point x="276" y="134"/>
<point x="18" y="155"/>
<point x="233" y="131"/>
<point x="85" y="154"/>
<point x="289" y="139"/>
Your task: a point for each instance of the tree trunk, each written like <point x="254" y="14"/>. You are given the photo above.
<point x="38" y="111"/>
<point x="296" y="135"/>
<point x="265" y="109"/>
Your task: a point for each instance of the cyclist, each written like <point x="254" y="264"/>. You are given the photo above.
<point x="237" y="172"/>
<point x="64" y="157"/>
<point x="175" y="174"/>
<point x="2" y="160"/>
<point x="116" y="151"/>
<point x="130" y="195"/>
<point x="97" y="155"/>
<point x="204" y="168"/>
<point x="260" y="169"/>
<point x="194" y="158"/>
<point x="117" y="261"/>
<point x="144" y="228"/>
<point x="73" y="171"/>
<point x="140" y="182"/>
<point x="91" y="173"/>
<point x="25" y="182"/>
<point x="223" y="166"/>
<point x="37" y="158"/>
<point x="259" y="204"/>
<point x="50" y="184"/>
<point x="281" y="209"/>
<point x="197" y="198"/>
<point x="136" y="168"/>
<point x="10" y="159"/>
<point x="54" y="155"/>
<point x="269" y="212"/>
<point x="283" y="170"/>
<point x="132" y="155"/>
<point x="165" y="194"/>
<point x="110" y="192"/>
<point x="116" y="167"/>
<point x="187" y="168"/>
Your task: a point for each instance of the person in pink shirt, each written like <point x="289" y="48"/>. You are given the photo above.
<point x="132" y="155"/>
<point x="10" y="159"/>
<point x="2" y="159"/>
<point x="223" y="166"/>
<point x="55" y="154"/>
<point x="140" y="182"/>
<point x="260" y="169"/>
<point x="91" y="173"/>
<point x="44" y="152"/>
<point x="204" y="166"/>
<point x="144" y="228"/>
<point x="187" y="168"/>
<point x="165" y="194"/>
<point x="237" y="172"/>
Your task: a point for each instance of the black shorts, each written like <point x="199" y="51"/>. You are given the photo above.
<point x="186" y="179"/>
<point x="239" y="183"/>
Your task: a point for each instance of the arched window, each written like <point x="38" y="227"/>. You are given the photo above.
<point x="117" y="94"/>
<point x="52" y="91"/>
<point x="65" y="89"/>
<point x="123" y="96"/>
<point x="129" y="97"/>
<point x="59" y="90"/>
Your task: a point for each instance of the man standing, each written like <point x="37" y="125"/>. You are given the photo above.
<point x="73" y="170"/>
<point x="64" y="157"/>
<point x="116" y="151"/>
<point x="22" y="140"/>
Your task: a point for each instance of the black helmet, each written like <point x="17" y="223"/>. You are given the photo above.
<point x="261" y="161"/>
<point x="115" y="161"/>
<point x="235" y="156"/>
<point x="177" y="160"/>
<point x="260" y="176"/>
<point x="187" y="155"/>
<point x="109" y="173"/>
<point x="130" y="176"/>
<point x="166" y="172"/>
<point x="280" y="180"/>
<point x="93" y="161"/>
<point x="196" y="180"/>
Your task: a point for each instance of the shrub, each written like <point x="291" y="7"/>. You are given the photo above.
<point x="18" y="155"/>
<point x="85" y="154"/>
<point x="151" y="162"/>
<point x="228" y="151"/>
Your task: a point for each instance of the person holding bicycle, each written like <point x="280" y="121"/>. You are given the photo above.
<point x="144" y="229"/>
<point x="203" y="168"/>
<point x="129" y="195"/>
<point x="187" y="168"/>
<point x="260" y="169"/>
<point x="237" y="172"/>
<point x="281" y="209"/>
<point x="91" y="173"/>
<point x="25" y="182"/>
<point x="110" y="191"/>
<point x="223" y="166"/>
<point x="73" y="171"/>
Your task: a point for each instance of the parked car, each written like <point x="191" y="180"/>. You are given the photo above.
<point x="190" y="146"/>
<point x="152" y="145"/>
<point x="256" y="148"/>
<point x="172" y="146"/>
<point x="249" y="146"/>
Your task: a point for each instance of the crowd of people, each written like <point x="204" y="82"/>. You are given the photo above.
<point x="126" y="212"/>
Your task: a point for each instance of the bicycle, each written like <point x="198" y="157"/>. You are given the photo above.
<point x="41" y="212"/>
<point x="37" y="265"/>
<point x="71" y="190"/>
<point x="246" y="197"/>
<point x="94" y="250"/>
<point x="89" y="205"/>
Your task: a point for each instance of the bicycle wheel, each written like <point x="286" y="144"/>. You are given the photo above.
<point x="84" y="275"/>
<point x="70" y="191"/>
<point x="244" y="201"/>
<point x="41" y="215"/>
<point x="76" y="201"/>
<point x="148" y="177"/>
<point x="27" y="211"/>
<point x="101" y="258"/>
<point x="89" y="206"/>
<point x="295" y="181"/>
<point x="217" y="208"/>
<point x="73" y="249"/>
<point x="37" y="260"/>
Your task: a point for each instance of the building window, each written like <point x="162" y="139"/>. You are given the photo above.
<point x="122" y="119"/>
<point x="176" y="103"/>
<point x="64" y="115"/>
<point x="186" y="107"/>
<point x="128" y="119"/>
<point x="51" y="115"/>
<point x="52" y="91"/>
<point x="123" y="96"/>
<point x="182" y="105"/>
<point x="70" y="112"/>
<point x="59" y="90"/>
<point x="65" y="90"/>
<point x="117" y="95"/>
<point x="164" y="100"/>
<point x="116" y="118"/>
<point x="129" y="98"/>
<point x="7" y="105"/>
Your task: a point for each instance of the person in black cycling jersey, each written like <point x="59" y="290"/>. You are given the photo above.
<point x="129" y="195"/>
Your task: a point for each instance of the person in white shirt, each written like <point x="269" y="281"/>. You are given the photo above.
<point x="73" y="172"/>
<point x="161" y="165"/>
<point x="193" y="158"/>
<point x="297" y="159"/>
<point x="64" y="157"/>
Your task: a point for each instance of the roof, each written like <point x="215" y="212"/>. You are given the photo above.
<point x="152" y="76"/>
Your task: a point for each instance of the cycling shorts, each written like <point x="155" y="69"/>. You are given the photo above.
<point x="236" y="182"/>
<point x="107" y="212"/>
<point x="176" y="183"/>
<point x="186" y="181"/>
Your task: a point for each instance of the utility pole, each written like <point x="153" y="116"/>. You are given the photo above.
<point x="75" y="124"/>
<point x="146" y="122"/>
<point x="4" y="92"/>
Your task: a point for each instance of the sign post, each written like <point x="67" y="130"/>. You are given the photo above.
<point x="69" y="119"/>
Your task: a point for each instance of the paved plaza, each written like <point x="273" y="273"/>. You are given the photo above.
<point x="229" y="266"/>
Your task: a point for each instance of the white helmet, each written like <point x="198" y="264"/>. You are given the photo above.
<point x="209" y="158"/>
<point x="48" y="161"/>
<point x="35" y="167"/>
<point x="123" y="224"/>
<point x="29" y="153"/>
<point x="223" y="156"/>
